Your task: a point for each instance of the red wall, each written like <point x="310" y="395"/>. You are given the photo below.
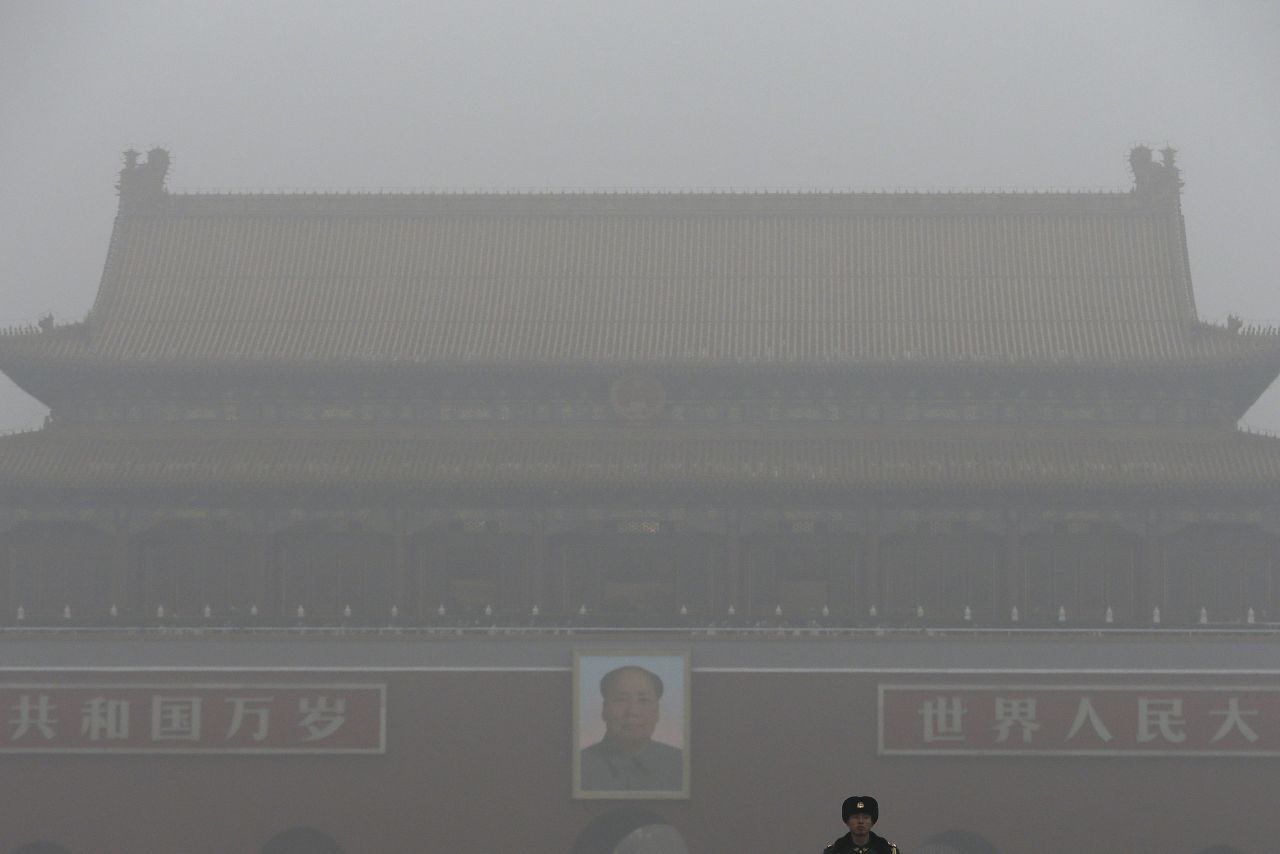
<point x="480" y="761"/>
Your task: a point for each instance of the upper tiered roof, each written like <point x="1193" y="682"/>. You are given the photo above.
<point x="645" y="280"/>
<point x="637" y="283"/>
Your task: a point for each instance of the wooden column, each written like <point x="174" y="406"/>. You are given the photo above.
<point x="1151" y="574"/>
<point x="142" y="588"/>
<point x="835" y="568"/>
<point x="8" y="571"/>
<point x="1271" y="605"/>
<point x="873" y="572"/>
<point x="731" y="588"/>
<point x="121" y="570"/>
<point x="856" y="595"/>
<point x="401" y="583"/>
<point x="259" y="570"/>
<point x="431" y="576"/>
<point x="537" y="592"/>
<point x="1015" y="594"/>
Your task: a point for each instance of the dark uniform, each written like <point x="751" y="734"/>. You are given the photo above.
<point x="861" y="805"/>
<point x="875" y="845"/>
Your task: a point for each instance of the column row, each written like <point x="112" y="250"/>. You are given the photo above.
<point x="638" y="571"/>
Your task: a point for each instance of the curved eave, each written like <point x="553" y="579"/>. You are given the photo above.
<point x="31" y="358"/>
<point x="73" y="351"/>
<point x="1254" y="363"/>
<point x="61" y="364"/>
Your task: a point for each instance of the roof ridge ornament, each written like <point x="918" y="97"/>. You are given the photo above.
<point x="1158" y="180"/>
<point x="143" y="182"/>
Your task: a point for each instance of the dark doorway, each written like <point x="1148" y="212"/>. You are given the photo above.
<point x="302" y="840"/>
<point x="40" y="848"/>
<point x="629" y="830"/>
<point x="957" y="842"/>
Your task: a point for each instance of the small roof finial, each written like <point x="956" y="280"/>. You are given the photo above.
<point x="143" y="182"/>
<point x="1157" y="180"/>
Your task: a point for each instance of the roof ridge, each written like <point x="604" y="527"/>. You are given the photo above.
<point x="675" y="190"/>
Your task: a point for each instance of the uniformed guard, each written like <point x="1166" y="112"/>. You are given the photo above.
<point x="860" y="814"/>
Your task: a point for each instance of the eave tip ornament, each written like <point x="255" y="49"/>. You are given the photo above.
<point x="143" y="182"/>
<point x="1150" y="178"/>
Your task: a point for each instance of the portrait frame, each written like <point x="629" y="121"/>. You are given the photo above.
<point x="671" y="731"/>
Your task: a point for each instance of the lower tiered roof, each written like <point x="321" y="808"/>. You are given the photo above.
<point x="589" y="458"/>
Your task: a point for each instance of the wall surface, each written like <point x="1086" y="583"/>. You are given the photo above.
<point x="478" y="755"/>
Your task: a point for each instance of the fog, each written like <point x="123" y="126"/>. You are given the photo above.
<point x="722" y="94"/>
<point x="264" y="95"/>
<point x="254" y="95"/>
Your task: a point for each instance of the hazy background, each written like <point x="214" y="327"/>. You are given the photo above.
<point x="590" y="93"/>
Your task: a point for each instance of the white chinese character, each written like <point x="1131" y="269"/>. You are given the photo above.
<point x="1162" y="716"/>
<point x="1085" y="713"/>
<point x="943" y="719"/>
<point x="1021" y="712"/>
<point x="102" y="718"/>
<point x="1232" y="717"/>
<point x="28" y="715"/>
<point x="322" y="718"/>
<point x="242" y="707"/>
<point x="175" y="718"/>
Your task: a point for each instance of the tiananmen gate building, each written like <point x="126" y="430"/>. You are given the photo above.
<point x="347" y="501"/>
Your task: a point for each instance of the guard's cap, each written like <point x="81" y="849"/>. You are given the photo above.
<point x="860" y="804"/>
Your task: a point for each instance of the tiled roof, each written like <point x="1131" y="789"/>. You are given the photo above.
<point x="647" y="280"/>
<point x="515" y="457"/>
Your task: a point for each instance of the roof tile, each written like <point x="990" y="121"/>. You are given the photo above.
<point x="658" y="279"/>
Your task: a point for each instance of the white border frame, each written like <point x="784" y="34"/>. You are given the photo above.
<point x="577" y="701"/>
<point x="379" y="687"/>
<point x="1065" y="753"/>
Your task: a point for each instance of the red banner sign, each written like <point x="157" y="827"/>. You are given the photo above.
<point x="1080" y="720"/>
<point x="192" y="718"/>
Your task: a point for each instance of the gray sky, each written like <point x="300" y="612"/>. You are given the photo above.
<point x="592" y="93"/>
